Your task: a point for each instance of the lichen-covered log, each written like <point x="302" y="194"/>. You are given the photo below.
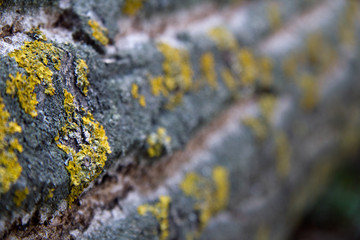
<point x="171" y="119"/>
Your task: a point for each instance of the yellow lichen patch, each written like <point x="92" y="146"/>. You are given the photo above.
<point x="131" y="7"/>
<point x="317" y="178"/>
<point x="283" y="155"/>
<point x="99" y="32"/>
<point x="266" y="72"/>
<point x="257" y="126"/>
<point x="135" y="91"/>
<point x="267" y="105"/>
<point x="157" y="141"/>
<point x="177" y="79"/>
<point x="210" y="195"/>
<point x="310" y="92"/>
<point x="160" y="211"/>
<point x="176" y="67"/>
<point x="142" y="101"/>
<point x="50" y="194"/>
<point x="290" y="65"/>
<point x="207" y="67"/>
<point x="274" y="15"/>
<point x="249" y="68"/>
<point x="136" y="95"/>
<point x="157" y="86"/>
<point x="81" y="71"/>
<point x="10" y="169"/>
<point x="319" y="53"/>
<point x="228" y="79"/>
<point x="262" y="233"/>
<point x="35" y="58"/>
<point x="20" y="195"/>
<point x="88" y="159"/>
<point x="347" y="27"/>
<point x="36" y="34"/>
<point x="69" y="105"/>
<point x="223" y="38"/>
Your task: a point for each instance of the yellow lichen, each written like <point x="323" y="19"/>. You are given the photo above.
<point x="142" y="101"/>
<point x="157" y="141"/>
<point x="37" y="34"/>
<point x="317" y="178"/>
<point x="314" y="46"/>
<point x="177" y="78"/>
<point x="267" y="104"/>
<point x="81" y="71"/>
<point x="69" y="105"/>
<point x="176" y="67"/>
<point x="223" y="38"/>
<point x="290" y="65"/>
<point x="34" y="57"/>
<point x="262" y="233"/>
<point x="136" y="95"/>
<point x="207" y="67"/>
<point x="274" y="15"/>
<point x="99" y="32"/>
<point x="50" y="194"/>
<point x="249" y="67"/>
<point x="160" y="211"/>
<point x="20" y="195"/>
<point x="347" y="26"/>
<point x="228" y="79"/>
<point x="283" y="155"/>
<point x="135" y="91"/>
<point x="157" y="86"/>
<point x="88" y="159"/>
<point x="310" y="92"/>
<point x="210" y="195"/>
<point x="266" y="72"/>
<point x="10" y="169"/>
<point x="257" y="126"/>
<point x="131" y="7"/>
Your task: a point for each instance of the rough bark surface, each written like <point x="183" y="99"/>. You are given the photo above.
<point x="152" y="119"/>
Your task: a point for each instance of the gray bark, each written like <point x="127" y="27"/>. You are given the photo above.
<point x="224" y="159"/>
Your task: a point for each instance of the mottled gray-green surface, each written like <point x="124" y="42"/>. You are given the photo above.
<point x="312" y="52"/>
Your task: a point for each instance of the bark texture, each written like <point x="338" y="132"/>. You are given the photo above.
<point x="151" y="119"/>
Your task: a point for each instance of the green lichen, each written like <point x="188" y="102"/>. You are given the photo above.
<point x="35" y="58"/>
<point x="10" y="169"/>
<point x="98" y="32"/>
<point x="156" y="142"/>
<point x="87" y="159"/>
<point x="210" y="195"/>
<point x="161" y="211"/>
<point x="81" y="71"/>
